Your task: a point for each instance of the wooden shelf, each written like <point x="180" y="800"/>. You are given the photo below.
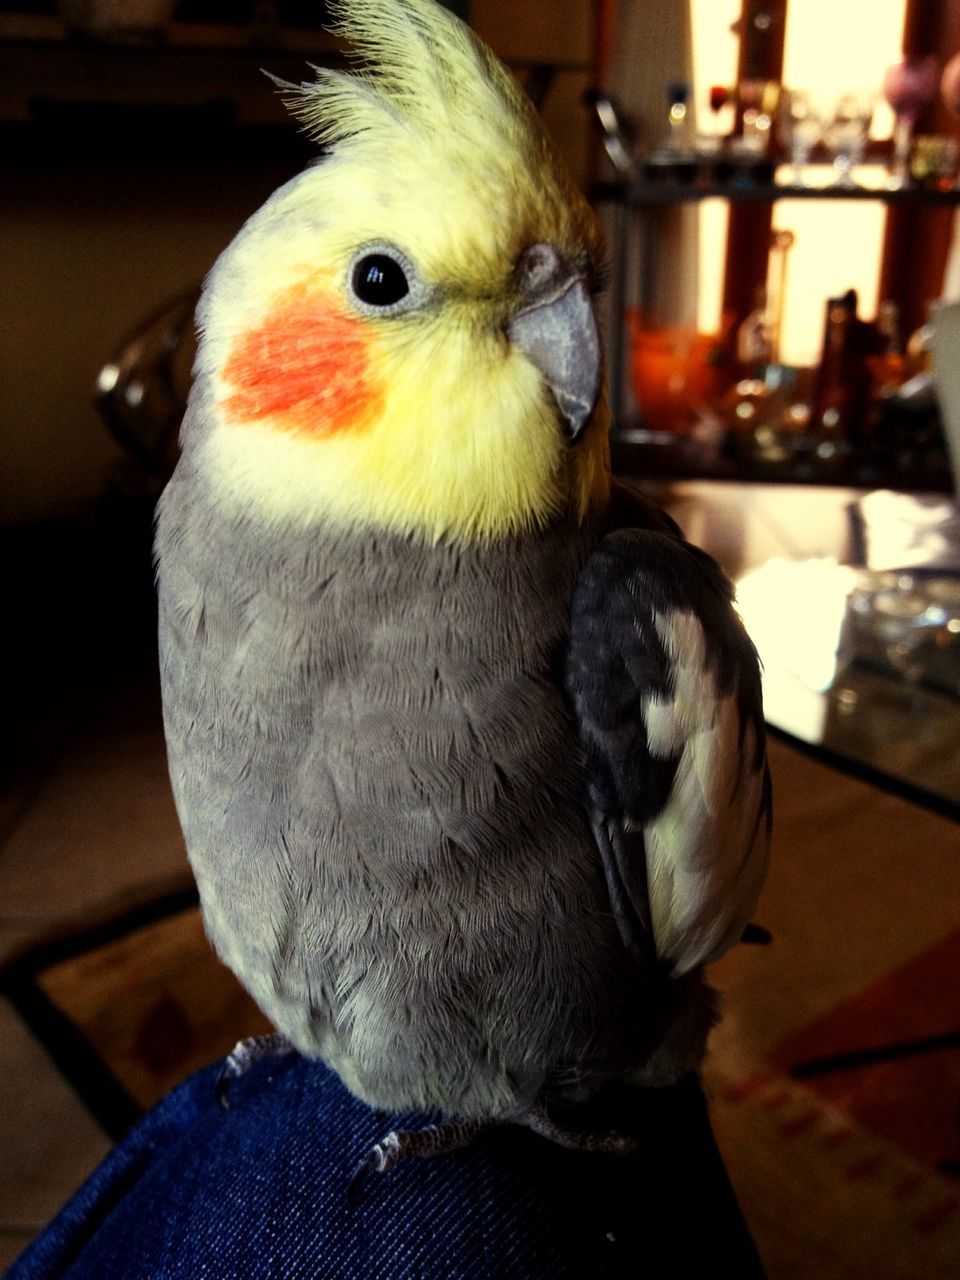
<point x="680" y="457"/>
<point x="48" y="29"/>
<point x="893" y="460"/>
<point x="198" y="96"/>
<point x="643" y="194"/>
<point x="149" y="75"/>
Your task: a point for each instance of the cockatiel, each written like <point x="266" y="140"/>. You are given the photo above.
<point x="465" y="741"/>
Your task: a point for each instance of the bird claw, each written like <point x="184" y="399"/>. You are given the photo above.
<point x="400" y="1144"/>
<point x="388" y="1152"/>
<point x="358" y="1177"/>
<point x="244" y="1055"/>
<point x="381" y="1158"/>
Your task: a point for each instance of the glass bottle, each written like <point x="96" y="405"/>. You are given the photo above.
<point x="755" y="338"/>
<point x="888" y="366"/>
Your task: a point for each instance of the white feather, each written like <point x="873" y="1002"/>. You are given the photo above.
<point x="706" y="849"/>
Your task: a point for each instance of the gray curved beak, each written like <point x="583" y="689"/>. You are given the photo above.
<point x="557" y="331"/>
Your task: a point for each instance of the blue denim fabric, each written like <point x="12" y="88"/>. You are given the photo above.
<point x="196" y="1192"/>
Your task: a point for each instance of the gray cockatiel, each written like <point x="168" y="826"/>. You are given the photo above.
<point x="466" y="743"/>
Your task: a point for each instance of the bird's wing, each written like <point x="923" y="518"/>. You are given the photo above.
<point x="665" y="685"/>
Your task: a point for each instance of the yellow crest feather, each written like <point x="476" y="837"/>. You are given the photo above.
<point x="418" y="67"/>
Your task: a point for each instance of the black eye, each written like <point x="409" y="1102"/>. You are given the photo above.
<point x="379" y="280"/>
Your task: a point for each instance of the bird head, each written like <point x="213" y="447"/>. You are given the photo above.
<point x="404" y="334"/>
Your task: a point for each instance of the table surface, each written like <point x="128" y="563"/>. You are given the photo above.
<point x="795" y="554"/>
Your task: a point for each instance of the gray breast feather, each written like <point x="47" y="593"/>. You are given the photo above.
<point x="382" y="795"/>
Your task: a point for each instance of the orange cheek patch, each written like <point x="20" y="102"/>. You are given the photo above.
<point x="307" y="366"/>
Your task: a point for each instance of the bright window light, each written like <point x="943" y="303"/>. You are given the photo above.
<point x="715" y="52"/>
<point x="829" y="48"/>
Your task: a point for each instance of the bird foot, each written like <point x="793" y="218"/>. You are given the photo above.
<point x="244" y="1055"/>
<point x="432" y="1140"/>
<point x="608" y="1142"/>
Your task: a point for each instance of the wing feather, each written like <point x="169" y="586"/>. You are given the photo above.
<point x="665" y="685"/>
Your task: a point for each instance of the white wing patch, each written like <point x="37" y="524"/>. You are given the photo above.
<point x="706" y="849"/>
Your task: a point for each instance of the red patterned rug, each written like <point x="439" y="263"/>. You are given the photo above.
<point x="890" y="1057"/>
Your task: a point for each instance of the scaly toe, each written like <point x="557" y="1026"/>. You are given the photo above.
<point x="244" y="1055"/>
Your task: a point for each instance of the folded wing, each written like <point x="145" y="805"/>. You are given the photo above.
<point x="665" y="685"/>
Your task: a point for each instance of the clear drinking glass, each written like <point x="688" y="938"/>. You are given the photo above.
<point x="801" y="128"/>
<point x="846" y="134"/>
<point x="909" y="624"/>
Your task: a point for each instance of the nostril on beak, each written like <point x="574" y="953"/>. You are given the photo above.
<point x="539" y="267"/>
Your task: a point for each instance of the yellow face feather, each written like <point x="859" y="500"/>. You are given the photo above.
<point x="430" y="420"/>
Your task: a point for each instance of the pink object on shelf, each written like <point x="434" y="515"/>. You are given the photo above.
<point x="908" y="86"/>
<point x="911" y="84"/>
